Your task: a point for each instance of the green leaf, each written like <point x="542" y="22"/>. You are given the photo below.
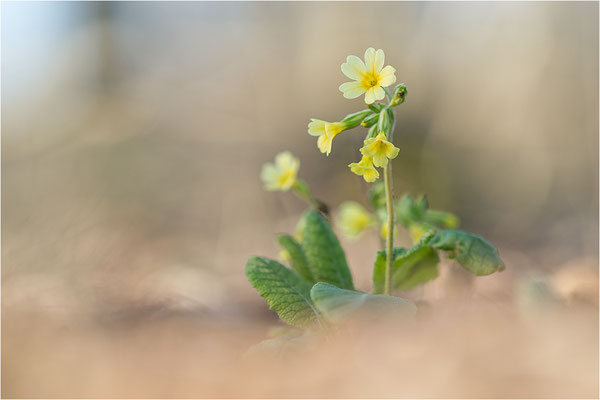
<point x="325" y="256"/>
<point x="298" y="259"/>
<point x="286" y="292"/>
<point x="411" y="268"/>
<point x="337" y="305"/>
<point x="472" y="252"/>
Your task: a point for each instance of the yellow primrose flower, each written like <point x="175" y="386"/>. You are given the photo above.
<point x="282" y="175"/>
<point x="353" y="219"/>
<point x="326" y="131"/>
<point x="370" y="77"/>
<point x="380" y="150"/>
<point x="365" y="168"/>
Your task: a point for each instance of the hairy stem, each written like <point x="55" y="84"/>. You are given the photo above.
<point x="389" y="245"/>
<point x="389" y="196"/>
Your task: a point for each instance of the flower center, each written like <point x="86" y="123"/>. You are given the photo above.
<point x="370" y="80"/>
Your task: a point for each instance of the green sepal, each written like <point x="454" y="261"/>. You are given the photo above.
<point x="352" y="120"/>
<point x="370" y="120"/>
<point x="338" y="305"/>
<point x="375" y="107"/>
<point x="325" y="256"/>
<point x="298" y="260"/>
<point x="415" y="266"/>
<point x="284" y="290"/>
<point x="383" y="123"/>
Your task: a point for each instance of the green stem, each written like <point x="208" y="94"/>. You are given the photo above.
<point x="389" y="244"/>
<point x="389" y="199"/>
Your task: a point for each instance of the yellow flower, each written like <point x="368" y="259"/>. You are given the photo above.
<point x="380" y="150"/>
<point x="369" y="77"/>
<point x="282" y="175"/>
<point x="326" y="131"/>
<point x="365" y="168"/>
<point x="353" y="219"/>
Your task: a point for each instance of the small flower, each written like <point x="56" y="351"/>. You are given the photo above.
<point x="353" y="219"/>
<point x="370" y="77"/>
<point x="282" y="175"/>
<point x="380" y="150"/>
<point x="326" y="131"/>
<point x="365" y="168"/>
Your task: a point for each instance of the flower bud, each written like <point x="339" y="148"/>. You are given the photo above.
<point x="355" y="119"/>
<point x="399" y="95"/>
<point x="370" y="120"/>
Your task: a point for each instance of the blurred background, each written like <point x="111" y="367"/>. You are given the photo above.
<point x="133" y="135"/>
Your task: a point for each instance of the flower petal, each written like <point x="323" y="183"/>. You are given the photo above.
<point x="352" y="90"/>
<point x="380" y="160"/>
<point x="379" y="93"/>
<point x="324" y="144"/>
<point x="387" y="76"/>
<point x="316" y="127"/>
<point x="370" y="96"/>
<point x="379" y="60"/>
<point x="392" y="151"/>
<point x="370" y="59"/>
<point x="371" y="175"/>
<point x="354" y="68"/>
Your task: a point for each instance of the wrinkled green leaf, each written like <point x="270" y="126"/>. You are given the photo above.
<point x="411" y="267"/>
<point x="472" y="252"/>
<point x="337" y="305"/>
<point x="286" y="292"/>
<point x="325" y="256"/>
<point x="298" y="260"/>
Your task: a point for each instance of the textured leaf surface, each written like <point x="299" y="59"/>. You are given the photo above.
<point x="472" y="252"/>
<point x="337" y="305"/>
<point x="286" y="292"/>
<point x="412" y="267"/>
<point x="298" y="259"/>
<point x="325" y="256"/>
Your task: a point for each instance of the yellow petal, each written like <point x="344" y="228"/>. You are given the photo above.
<point x="352" y="90"/>
<point x="370" y="59"/>
<point x="332" y="129"/>
<point x="316" y="127"/>
<point x="324" y="143"/>
<point x="392" y="151"/>
<point x="379" y="60"/>
<point x="379" y="93"/>
<point x="371" y="175"/>
<point x="354" y="68"/>
<point x="387" y="76"/>
<point x="370" y="96"/>
<point x="380" y="160"/>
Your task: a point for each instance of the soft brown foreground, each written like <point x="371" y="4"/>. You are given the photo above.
<point x="455" y="350"/>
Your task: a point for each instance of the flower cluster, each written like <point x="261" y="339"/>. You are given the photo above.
<point x="370" y="78"/>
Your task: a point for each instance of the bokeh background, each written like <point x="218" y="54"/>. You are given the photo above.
<point x="132" y="139"/>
